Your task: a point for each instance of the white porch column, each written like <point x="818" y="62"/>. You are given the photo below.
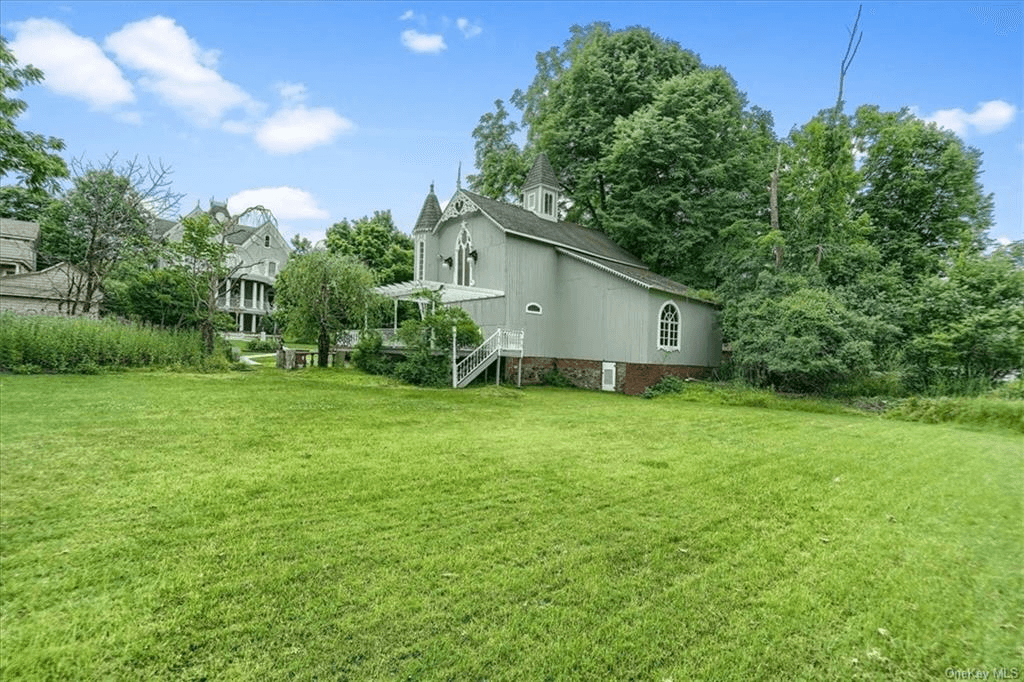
<point x="263" y="296"/>
<point x="241" y="319"/>
<point x="254" y="323"/>
<point x="227" y="292"/>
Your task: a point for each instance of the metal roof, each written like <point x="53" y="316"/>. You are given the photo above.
<point x="523" y="223"/>
<point x="639" y="276"/>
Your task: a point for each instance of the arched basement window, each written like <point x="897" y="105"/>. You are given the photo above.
<point x="534" y="308"/>
<point x="463" y="263"/>
<point x="668" y="327"/>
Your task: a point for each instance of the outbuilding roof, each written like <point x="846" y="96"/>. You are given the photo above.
<point x="523" y="223"/>
<point x="19" y="229"/>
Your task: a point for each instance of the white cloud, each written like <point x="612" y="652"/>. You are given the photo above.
<point x="177" y="69"/>
<point x="407" y="15"/>
<point x="988" y="117"/>
<point x="423" y="43"/>
<point x="297" y="129"/>
<point x="72" y="65"/>
<point x="468" y="30"/>
<point x="287" y="203"/>
<point x="1003" y="240"/>
<point x="292" y="92"/>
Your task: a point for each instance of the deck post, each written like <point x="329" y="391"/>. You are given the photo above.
<point x="455" y="360"/>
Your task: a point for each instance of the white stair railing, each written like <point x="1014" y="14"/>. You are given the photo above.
<point x="465" y="370"/>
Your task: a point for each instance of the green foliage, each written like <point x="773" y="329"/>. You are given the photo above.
<point x="100" y="222"/>
<point x="798" y="338"/>
<point x="435" y="329"/>
<point x="30" y="158"/>
<point x="572" y="105"/>
<point x="319" y="294"/>
<point x="970" y="322"/>
<point x="377" y="243"/>
<point x="20" y="203"/>
<point x="265" y="346"/>
<point x="554" y="377"/>
<point x="922" y="189"/>
<point x="666" y="385"/>
<point x="368" y="354"/>
<point x="682" y="169"/>
<point x="301" y="245"/>
<point x="78" y="345"/>
<point x="503" y="166"/>
<point x="427" y="360"/>
<point x="980" y="411"/>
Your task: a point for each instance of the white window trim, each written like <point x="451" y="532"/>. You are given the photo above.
<point x="421" y="253"/>
<point x="539" y="309"/>
<point x="678" y="324"/>
<point x="462" y="250"/>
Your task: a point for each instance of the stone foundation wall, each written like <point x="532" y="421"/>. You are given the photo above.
<point x="630" y="378"/>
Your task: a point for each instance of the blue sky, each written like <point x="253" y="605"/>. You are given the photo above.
<point x="329" y="110"/>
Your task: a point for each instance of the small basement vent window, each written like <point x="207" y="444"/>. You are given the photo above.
<point x="534" y="308"/>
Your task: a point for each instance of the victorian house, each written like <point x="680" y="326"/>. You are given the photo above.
<point x="259" y="252"/>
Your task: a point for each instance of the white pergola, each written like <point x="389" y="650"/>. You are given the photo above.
<point x="450" y="293"/>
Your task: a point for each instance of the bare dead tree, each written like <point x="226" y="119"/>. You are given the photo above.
<point x="851" y="52"/>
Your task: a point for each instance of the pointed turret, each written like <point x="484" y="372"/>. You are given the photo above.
<point x="540" y="191"/>
<point x="429" y="214"/>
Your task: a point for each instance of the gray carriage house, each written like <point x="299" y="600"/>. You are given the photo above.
<point x="552" y="294"/>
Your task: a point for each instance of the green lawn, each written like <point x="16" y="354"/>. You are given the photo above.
<point x="329" y="525"/>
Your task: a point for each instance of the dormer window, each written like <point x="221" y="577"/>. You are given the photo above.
<point x="266" y="241"/>
<point x="548" y="204"/>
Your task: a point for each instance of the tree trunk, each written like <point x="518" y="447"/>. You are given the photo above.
<point x="323" y="347"/>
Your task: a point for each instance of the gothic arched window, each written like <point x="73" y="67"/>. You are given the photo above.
<point x="668" y="327"/>
<point x="463" y="262"/>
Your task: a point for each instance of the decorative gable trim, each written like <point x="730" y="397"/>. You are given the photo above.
<point x="459" y="205"/>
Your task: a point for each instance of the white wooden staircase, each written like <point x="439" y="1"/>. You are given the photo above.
<point x="503" y="342"/>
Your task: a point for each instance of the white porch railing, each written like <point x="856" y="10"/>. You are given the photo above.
<point x="467" y="369"/>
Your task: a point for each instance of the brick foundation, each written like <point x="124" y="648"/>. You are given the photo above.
<point x="630" y="378"/>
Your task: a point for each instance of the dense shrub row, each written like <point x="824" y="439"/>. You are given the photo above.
<point x="31" y="344"/>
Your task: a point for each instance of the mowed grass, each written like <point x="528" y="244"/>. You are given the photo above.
<point x="329" y="525"/>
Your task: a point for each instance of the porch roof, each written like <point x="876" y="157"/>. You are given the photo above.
<point x="450" y="293"/>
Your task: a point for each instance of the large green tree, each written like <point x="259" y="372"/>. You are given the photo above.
<point x="682" y="169"/>
<point x="100" y="222"/>
<point x="570" y="108"/>
<point x="503" y="165"/>
<point x="921" y="187"/>
<point x="30" y="159"/>
<point x="319" y="294"/>
<point x="376" y="242"/>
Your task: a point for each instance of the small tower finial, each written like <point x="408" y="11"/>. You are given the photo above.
<point x="431" y="186"/>
<point x="458" y="181"/>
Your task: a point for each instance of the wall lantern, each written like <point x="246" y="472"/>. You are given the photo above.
<point x="473" y="256"/>
<point x="447" y="261"/>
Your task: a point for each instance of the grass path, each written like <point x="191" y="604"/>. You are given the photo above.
<point x="328" y="525"/>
